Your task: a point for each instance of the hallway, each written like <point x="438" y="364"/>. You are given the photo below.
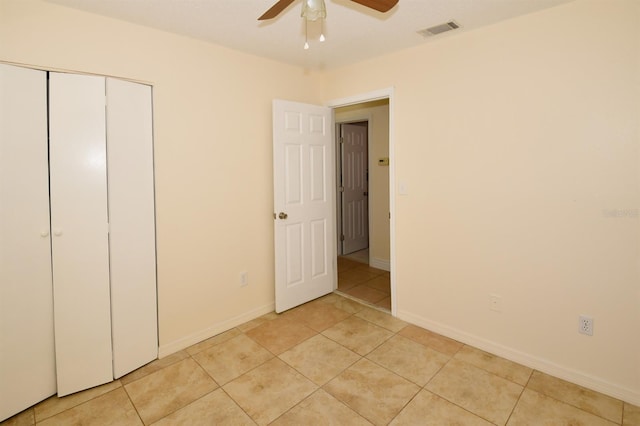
<point x="360" y="281"/>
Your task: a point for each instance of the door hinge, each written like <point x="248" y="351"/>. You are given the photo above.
<point x="341" y="188"/>
<point x="342" y="237"/>
<point x="341" y="139"/>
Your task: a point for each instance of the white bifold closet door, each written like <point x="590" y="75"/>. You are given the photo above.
<point x="27" y="362"/>
<point x="102" y="215"/>
<point x="132" y="225"/>
<point x="78" y="300"/>
<point x="79" y="224"/>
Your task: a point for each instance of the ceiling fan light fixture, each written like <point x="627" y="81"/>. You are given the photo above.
<point x="312" y="10"/>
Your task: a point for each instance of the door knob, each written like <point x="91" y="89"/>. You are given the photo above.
<point x="283" y="215"/>
<point x="57" y="232"/>
<point x="44" y="233"/>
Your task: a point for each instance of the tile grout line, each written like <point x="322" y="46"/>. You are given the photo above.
<point x="134" y="405"/>
<point x="238" y="405"/>
<point x="451" y="357"/>
<point x="36" y="421"/>
<point x="221" y="386"/>
<point x="420" y="388"/>
<point x="360" y="301"/>
<point x="573" y="405"/>
<point x="524" y="387"/>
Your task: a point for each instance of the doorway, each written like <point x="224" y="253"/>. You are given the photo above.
<point x="363" y="201"/>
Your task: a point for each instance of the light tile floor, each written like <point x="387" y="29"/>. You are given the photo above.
<point x="332" y="361"/>
<point x="360" y="281"/>
<point x="361" y="256"/>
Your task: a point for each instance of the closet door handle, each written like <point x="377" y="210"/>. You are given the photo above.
<point x="57" y="232"/>
<point x="44" y="233"/>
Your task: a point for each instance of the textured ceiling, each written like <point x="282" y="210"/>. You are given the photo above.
<point x="353" y="32"/>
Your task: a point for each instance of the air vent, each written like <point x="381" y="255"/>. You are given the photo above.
<point x="439" y="29"/>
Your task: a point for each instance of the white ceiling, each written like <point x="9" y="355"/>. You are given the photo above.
<point x="353" y="32"/>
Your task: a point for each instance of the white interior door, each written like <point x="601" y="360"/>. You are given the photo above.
<point x="80" y="231"/>
<point x="355" y="195"/>
<point x="27" y="362"/>
<point x="304" y="203"/>
<point x="131" y="225"/>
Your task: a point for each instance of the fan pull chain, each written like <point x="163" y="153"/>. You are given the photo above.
<point x="306" y="33"/>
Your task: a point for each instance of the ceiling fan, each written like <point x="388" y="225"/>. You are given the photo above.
<point x="379" y="5"/>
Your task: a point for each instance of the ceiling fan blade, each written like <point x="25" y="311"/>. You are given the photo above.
<point x="275" y="9"/>
<point x="379" y="5"/>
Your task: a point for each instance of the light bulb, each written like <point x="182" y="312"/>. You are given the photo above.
<point x="306" y="45"/>
<point x="322" y="37"/>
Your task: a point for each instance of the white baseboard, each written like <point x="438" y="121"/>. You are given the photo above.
<point x="594" y="383"/>
<point x="380" y="264"/>
<point x="213" y="330"/>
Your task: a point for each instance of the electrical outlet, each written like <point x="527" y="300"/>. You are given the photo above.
<point x="244" y="278"/>
<point x="495" y="302"/>
<point x="585" y="325"/>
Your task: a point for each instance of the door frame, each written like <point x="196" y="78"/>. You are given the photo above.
<point x="376" y="95"/>
<point x="363" y="118"/>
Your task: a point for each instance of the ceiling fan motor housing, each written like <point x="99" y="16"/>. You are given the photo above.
<point x="319" y="8"/>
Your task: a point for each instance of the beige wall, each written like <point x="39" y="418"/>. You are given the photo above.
<point x="213" y="153"/>
<point x="517" y="142"/>
<point x="377" y="113"/>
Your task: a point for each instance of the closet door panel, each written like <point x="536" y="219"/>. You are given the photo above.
<point x="80" y="231"/>
<point x="132" y="225"/>
<point x="27" y="363"/>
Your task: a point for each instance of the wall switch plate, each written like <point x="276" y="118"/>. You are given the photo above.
<point x="244" y="278"/>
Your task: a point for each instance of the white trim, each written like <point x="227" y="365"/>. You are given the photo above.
<point x="361" y="98"/>
<point x="356" y="118"/>
<point x="387" y="93"/>
<point x="383" y="264"/>
<point x="566" y="373"/>
<point x="213" y="330"/>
